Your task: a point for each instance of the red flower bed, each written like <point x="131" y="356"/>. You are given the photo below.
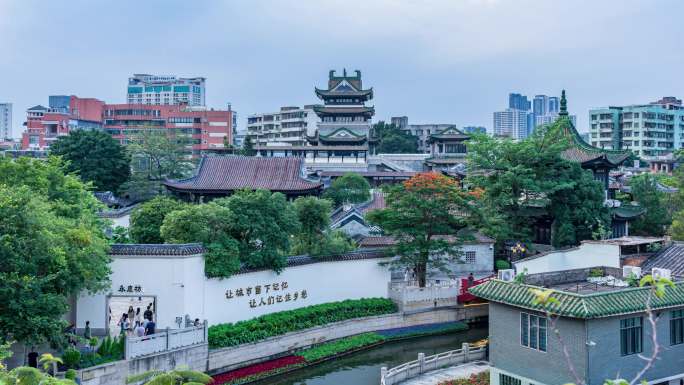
<point x="253" y="372"/>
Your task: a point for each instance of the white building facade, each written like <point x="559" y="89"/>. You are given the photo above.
<point x="5" y="121"/>
<point x="423" y="132"/>
<point x="165" y="90"/>
<point x="511" y="123"/>
<point x="288" y="127"/>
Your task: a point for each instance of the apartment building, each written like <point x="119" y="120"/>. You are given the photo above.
<point x="288" y="127"/>
<point x="165" y="90"/>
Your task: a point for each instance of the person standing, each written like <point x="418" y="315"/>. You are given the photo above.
<point x="123" y="323"/>
<point x="131" y="315"/>
<point x="86" y="332"/>
<point x="148" y="313"/>
<point x="138" y="316"/>
<point x="149" y="329"/>
<point x="139" y="329"/>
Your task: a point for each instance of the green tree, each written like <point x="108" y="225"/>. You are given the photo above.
<point x="314" y="237"/>
<point x="52" y="246"/>
<point x="96" y="157"/>
<point x="156" y="157"/>
<point x="262" y="223"/>
<point x="147" y="219"/>
<point x="423" y="214"/>
<point x="209" y="224"/>
<point x="248" y="147"/>
<point x="656" y="219"/>
<point x="393" y="140"/>
<point x="523" y="180"/>
<point x="349" y="188"/>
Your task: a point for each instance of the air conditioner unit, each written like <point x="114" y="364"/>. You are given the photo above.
<point x="507" y="275"/>
<point x="661" y="273"/>
<point x="629" y="270"/>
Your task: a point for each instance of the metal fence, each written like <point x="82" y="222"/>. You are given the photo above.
<point x="166" y="340"/>
<point x="424" y="364"/>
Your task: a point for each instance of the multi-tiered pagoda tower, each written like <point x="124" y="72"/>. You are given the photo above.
<point x="345" y="124"/>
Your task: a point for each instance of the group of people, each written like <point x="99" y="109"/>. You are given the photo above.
<point x="134" y="324"/>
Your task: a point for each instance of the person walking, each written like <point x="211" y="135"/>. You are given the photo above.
<point x="131" y="316"/>
<point x="149" y="329"/>
<point x="123" y="323"/>
<point x="138" y="316"/>
<point x="148" y="313"/>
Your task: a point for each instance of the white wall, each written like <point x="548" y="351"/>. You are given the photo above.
<point x="181" y="288"/>
<point x="588" y="254"/>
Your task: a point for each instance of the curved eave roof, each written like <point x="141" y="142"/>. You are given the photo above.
<point x="329" y="110"/>
<point x="323" y="94"/>
<point x="583" y="152"/>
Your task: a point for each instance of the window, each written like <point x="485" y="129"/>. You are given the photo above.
<point x="508" y="380"/>
<point x="631" y="335"/>
<point x="533" y="331"/>
<point x="677" y="327"/>
<point x="470" y="257"/>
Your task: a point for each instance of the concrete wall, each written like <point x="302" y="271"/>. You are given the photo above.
<point x="606" y="360"/>
<point x="588" y="254"/>
<point x="115" y="373"/>
<point x="222" y="360"/>
<point x="180" y="288"/>
<point x="508" y="355"/>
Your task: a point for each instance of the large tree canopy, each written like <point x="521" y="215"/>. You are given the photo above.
<point x="52" y="246"/>
<point x="147" y="219"/>
<point x="314" y="236"/>
<point x="393" y="140"/>
<point x="525" y="179"/>
<point x="155" y="157"/>
<point x="96" y="157"/>
<point x="349" y="188"/>
<point x="424" y="214"/>
<point x="657" y="218"/>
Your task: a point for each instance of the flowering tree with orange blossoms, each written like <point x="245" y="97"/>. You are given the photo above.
<point x="424" y="215"/>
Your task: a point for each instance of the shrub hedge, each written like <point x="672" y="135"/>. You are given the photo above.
<point x="340" y="346"/>
<point x="274" y="324"/>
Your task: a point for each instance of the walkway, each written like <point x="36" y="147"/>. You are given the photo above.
<point x="436" y="376"/>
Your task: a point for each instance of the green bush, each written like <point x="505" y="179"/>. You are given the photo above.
<point x="225" y="335"/>
<point x="70" y="375"/>
<point x="502" y="265"/>
<point x="340" y="346"/>
<point x="71" y="358"/>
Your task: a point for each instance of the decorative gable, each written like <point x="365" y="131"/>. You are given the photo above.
<point x="344" y="86"/>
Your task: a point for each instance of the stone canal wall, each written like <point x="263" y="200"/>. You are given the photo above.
<point x="115" y="373"/>
<point x="222" y="360"/>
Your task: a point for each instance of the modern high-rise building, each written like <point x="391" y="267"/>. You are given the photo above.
<point x="545" y="111"/>
<point x="165" y="90"/>
<point x="518" y="102"/>
<point x="288" y="127"/>
<point x="511" y="123"/>
<point x="5" y="121"/>
<point x="648" y="129"/>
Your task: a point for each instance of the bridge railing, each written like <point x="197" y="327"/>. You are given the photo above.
<point x="411" y="369"/>
<point x="166" y="340"/>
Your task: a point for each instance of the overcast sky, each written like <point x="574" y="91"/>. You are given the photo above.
<point x="449" y="61"/>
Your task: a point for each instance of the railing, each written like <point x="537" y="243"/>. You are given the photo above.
<point x="169" y="339"/>
<point x="424" y="364"/>
<point x="409" y="296"/>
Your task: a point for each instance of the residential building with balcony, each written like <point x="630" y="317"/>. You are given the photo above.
<point x="649" y="130"/>
<point x="424" y="131"/>
<point x="288" y="127"/>
<point x="511" y="123"/>
<point x="165" y="90"/>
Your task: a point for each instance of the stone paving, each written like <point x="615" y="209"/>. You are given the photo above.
<point x="436" y="376"/>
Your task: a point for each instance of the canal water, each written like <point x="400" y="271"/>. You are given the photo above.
<point x="363" y="368"/>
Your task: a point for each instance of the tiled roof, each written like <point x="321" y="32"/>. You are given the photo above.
<point x="671" y="257"/>
<point x="344" y="110"/>
<point x="581" y="151"/>
<point x="239" y="172"/>
<point x="468" y="237"/>
<point x="326" y="93"/>
<point x="156" y="249"/>
<point x="299" y="260"/>
<point x="372" y="174"/>
<point x="595" y="305"/>
<point x="376" y="202"/>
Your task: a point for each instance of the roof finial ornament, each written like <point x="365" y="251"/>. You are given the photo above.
<point x="344" y="72"/>
<point x="563" y="105"/>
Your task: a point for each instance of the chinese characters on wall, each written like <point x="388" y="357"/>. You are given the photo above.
<point x="266" y="295"/>
<point x="130" y="289"/>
